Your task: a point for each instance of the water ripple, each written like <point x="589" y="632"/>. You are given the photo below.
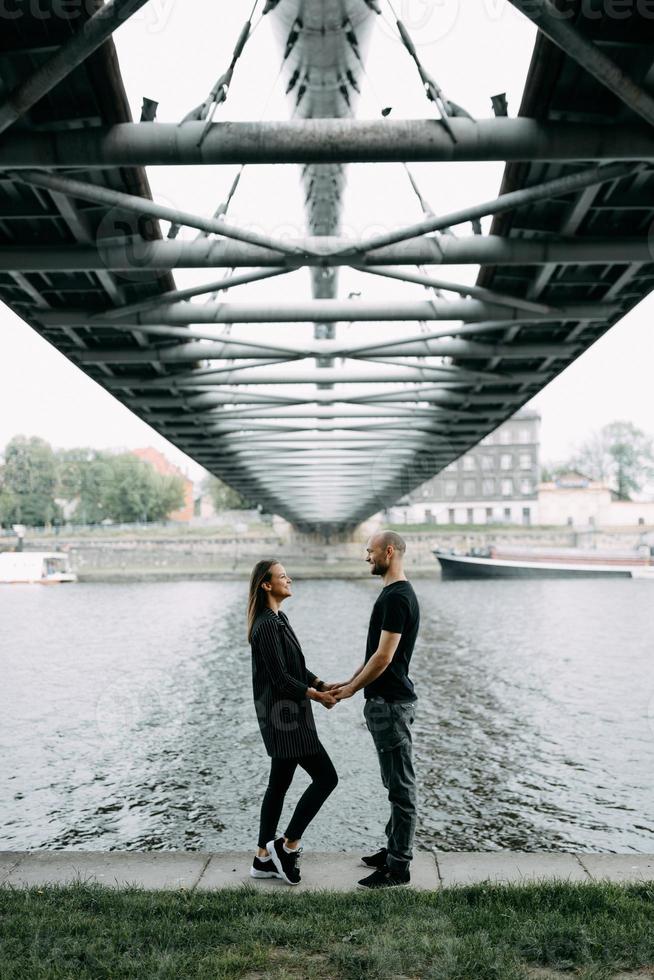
<point x="126" y="718"/>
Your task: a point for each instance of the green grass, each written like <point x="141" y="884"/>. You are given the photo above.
<point x="592" y="931"/>
<point x="162" y="532"/>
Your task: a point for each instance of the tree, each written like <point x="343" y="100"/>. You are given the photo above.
<point x="620" y="454"/>
<point x="28" y="483"/>
<point x="82" y="475"/>
<point x="134" y="491"/>
<point x="222" y="496"/>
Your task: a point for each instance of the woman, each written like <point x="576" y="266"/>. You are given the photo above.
<point x="283" y="691"/>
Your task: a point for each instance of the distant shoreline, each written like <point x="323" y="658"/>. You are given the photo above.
<point x="329" y="573"/>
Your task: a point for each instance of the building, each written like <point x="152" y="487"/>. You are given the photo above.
<point x="573" y="499"/>
<point x="166" y="468"/>
<point x="496" y="482"/>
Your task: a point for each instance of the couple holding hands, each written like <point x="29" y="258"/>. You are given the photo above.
<point x="284" y="688"/>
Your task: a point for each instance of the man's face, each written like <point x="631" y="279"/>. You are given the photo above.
<point x="377" y="557"/>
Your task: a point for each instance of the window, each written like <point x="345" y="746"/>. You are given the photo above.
<point x="469" y="488"/>
<point x="469" y="463"/>
<point x="470" y="515"/>
<point x="526" y="486"/>
<point x="429" y="517"/>
<point x="525" y="461"/>
<point x="570" y="522"/>
<point x="487" y="463"/>
<point x="451" y="467"/>
<point x="450" y="488"/>
<point x="524" y="436"/>
<point x="505" y="436"/>
<point x="641" y="520"/>
<point x="507" y="488"/>
<point x="451" y="515"/>
<point x="591" y="521"/>
<point x="506" y="461"/>
<point x="507" y="513"/>
<point x="488" y="487"/>
<point x="489" y="515"/>
<point x="526" y="515"/>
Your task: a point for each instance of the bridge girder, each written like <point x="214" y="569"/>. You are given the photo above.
<point x="568" y="255"/>
<point x="325" y="141"/>
<point x="139" y="255"/>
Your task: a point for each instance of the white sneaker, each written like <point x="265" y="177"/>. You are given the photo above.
<point x="263" y="868"/>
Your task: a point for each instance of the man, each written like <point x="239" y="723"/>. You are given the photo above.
<point x="390" y="704"/>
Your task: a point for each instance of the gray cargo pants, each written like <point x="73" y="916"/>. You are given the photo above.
<point x="390" y="723"/>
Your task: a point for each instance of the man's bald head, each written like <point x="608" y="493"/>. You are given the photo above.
<point x="384" y="551"/>
<point x="386" y="539"/>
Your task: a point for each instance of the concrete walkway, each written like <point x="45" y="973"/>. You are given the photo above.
<point x="335" y="871"/>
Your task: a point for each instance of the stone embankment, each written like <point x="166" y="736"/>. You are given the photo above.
<point x="204" y="554"/>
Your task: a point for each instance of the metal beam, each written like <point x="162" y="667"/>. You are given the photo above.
<point x="445" y="400"/>
<point x="341" y="140"/>
<point x="143" y="205"/>
<point x="199" y="351"/>
<point x="557" y="28"/>
<point x="436" y="415"/>
<point x="457" y="330"/>
<point x="179" y="295"/>
<point x="327" y="311"/>
<point x="91" y="35"/>
<point x="157" y="256"/>
<point x="242" y="376"/>
<point x="560" y="186"/>
<point x="463" y="289"/>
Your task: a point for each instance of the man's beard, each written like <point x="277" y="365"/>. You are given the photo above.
<point x="378" y="569"/>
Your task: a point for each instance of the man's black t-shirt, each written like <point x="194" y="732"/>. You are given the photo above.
<point x="397" y="611"/>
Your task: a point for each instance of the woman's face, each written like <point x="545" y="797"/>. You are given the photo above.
<point x="280" y="583"/>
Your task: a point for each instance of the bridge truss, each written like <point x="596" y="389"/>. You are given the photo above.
<point x="323" y="431"/>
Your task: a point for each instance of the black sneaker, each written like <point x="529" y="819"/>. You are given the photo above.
<point x="377" y="860"/>
<point x="263" y="868"/>
<point x="385" y="878"/>
<point x="285" y="863"/>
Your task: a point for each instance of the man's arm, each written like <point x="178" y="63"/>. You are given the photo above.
<point x="331" y="687"/>
<point x="381" y="658"/>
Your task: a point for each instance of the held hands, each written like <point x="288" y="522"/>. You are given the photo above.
<point x="343" y="692"/>
<point x="331" y="694"/>
<point x="325" y="697"/>
<point x="340" y="690"/>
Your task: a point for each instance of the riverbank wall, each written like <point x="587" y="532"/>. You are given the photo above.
<point x="108" y="556"/>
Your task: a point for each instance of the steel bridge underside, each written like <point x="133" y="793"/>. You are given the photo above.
<point x="325" y="432"/>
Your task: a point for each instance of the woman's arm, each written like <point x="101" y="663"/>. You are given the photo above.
<point x="267" y="647"/>
<point x="314" y="681"/>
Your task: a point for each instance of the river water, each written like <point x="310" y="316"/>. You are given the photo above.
<point x="126" y="718"/>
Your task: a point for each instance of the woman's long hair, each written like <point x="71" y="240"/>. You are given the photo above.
<point x="257" y="601"/>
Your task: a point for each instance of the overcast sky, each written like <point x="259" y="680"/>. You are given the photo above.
<point x="172" y="52"/>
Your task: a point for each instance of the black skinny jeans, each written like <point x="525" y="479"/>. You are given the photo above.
<point x="324" y="782"/>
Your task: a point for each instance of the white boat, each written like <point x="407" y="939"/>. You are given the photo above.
<point x="554" y="563"/>
<point x="42" y="567"/>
